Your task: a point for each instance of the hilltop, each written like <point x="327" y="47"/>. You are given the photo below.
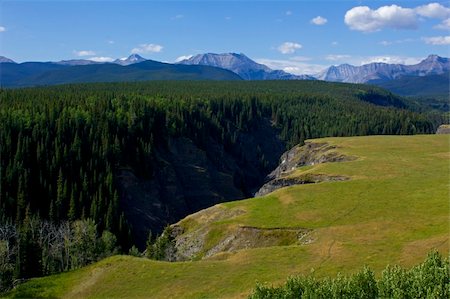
<point x="392" y="209"/>
<point x="132" y="69"/>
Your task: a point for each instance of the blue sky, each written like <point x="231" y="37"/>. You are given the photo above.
<point x="297" y="36"/>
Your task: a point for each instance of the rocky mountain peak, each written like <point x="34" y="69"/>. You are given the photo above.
<point x="242" y="65"/>
<point x="133" y="58"/>
<point x="6" y="59"/>
<point x="433" y="64"/>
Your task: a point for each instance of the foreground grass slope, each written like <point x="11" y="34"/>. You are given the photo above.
<point x="394" y="209"/>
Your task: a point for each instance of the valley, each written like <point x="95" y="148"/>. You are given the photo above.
<point x="392" y="214"/>
<point x="130" y="154"/>
<point x="225" y="149"/>
<point x="167" y="171"/>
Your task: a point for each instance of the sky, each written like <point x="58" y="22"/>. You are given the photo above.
<point x="301" y="37"/>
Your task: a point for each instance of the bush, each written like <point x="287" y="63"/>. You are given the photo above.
<point x="427" y="280"/>
<point x="163" y="247"/>
<point x="6" y="267"/>
<point x="134" y="252"/>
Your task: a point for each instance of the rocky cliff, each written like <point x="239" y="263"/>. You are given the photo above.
<point x="309" y="154"/>
<point x="191" y="237"/>
<point x="188" y="178"/>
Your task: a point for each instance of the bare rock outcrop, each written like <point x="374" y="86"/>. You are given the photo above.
<point x="309" y="154"/>
<point x="443" y="129"/>
<point x="196" y="237"/>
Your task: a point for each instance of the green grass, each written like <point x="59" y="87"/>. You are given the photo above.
<point x="394" y="209"/>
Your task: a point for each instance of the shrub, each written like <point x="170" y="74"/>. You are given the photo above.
<point x="430" y="279"/>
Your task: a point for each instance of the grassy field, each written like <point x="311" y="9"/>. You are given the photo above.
<point x="394" y="209"/>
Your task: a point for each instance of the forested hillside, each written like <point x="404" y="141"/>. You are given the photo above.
<point x="48" y="73"/>
<point x="72" y="152"/>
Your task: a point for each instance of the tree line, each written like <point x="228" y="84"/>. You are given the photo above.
<point x="39" y="247"/>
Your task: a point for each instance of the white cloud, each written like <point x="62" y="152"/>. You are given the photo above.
<point x="2" y="29"/>
<point x="399" y="41"/>
<point x="84" y="53"/>
<point x="292" y="66"/>
<point x="177" y="17"/>
<point x="147" y="48"/>
<point x="362" y="18"/>
<point x="337" y="57"/>
<point x="300" y="58"/>
<point x="319" y="21"/>
<point x="289" y="47"/>
<point x="183" y="57"/>
<point x="292" y="70"/>
<point x="444" y="25"/>
<point x="391" y="59"/>
<point x="101" y="59"/>
<point x="433" y="10"/>
<point x="437" y="40"/>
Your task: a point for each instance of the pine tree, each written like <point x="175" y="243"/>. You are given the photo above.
<point x="72" y="215"/>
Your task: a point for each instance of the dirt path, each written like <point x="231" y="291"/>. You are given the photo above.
<point x="83" y="287"/>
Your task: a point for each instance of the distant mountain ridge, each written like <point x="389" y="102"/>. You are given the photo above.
<point x="47" y="73"/>
<point x="13" y="74"/>
<point x="73" y="62"/>
<point x="4" y="59"/>
<point x="432" y="65"/>
<point x="418" y="85"/>
<point x="240" y="64"/>
<point x="132" y="59"/>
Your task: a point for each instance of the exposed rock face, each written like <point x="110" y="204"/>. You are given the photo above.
<point x="189" y="245"/>
<point x="443" y="129"/>
<point x="193" y="244"/>
<point x="4" y="59"/>
<point x="306" y="179"/>
<point x="132" y="59"/>
<point x="433" y="64"/>
<point x="192" y="236"/>
<point x="188" y="178"/>
<point x="308" y="154"/>
<point x="240" y="64"/>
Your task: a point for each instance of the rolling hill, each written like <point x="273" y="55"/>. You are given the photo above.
<point x="166" y="167"/>
<point x="393" y="208"/>
<point x="39" y="73"/>
<point x="433" y="85"/>
<point x="430" y="92"/>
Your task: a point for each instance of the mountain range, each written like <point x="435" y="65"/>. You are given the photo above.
<point x="373" y="72"/>
<point x="81" y="71"/>
<point x="227" y="66"/>
<point x="240" y="64"/>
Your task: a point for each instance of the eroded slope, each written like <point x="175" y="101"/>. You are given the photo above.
<point x="393" y="210"/>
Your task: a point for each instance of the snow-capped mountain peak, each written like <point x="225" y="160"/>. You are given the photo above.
<point x="4" y="59"/>
<point x="241" y="65"/>
<point x="432" y="65"/>
<point x="133" y="58"/>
